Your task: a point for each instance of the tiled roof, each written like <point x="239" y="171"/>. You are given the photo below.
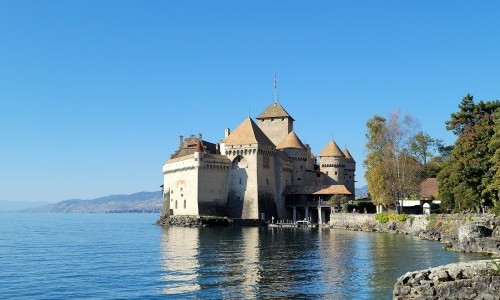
<point x="291" y="141"/>
<point x="247" y="133"/>
<point x="217" y="156"/>
<point x="188" y="146"/>
<point x="429" y="188"/>
<point x="348" y="155"/>
<point x="332" y="150"/>
<point x="177" y="159"/>
<point x="336" y="189"/>
<point x="275" y="110"/>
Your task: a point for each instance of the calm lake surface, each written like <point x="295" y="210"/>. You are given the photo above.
<point x="124" y="256"/>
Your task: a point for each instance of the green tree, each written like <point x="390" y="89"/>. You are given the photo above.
<point x="494" y="147"/>
<point x="466" y="175"/>
<point x="423" y="147"/>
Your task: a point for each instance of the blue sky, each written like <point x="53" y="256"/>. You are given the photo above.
<point x="94" y="94"/>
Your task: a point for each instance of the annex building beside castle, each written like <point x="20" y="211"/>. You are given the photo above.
<point x="258" y="171"/>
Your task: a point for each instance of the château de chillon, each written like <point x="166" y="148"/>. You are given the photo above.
<point x="259" y="171"/>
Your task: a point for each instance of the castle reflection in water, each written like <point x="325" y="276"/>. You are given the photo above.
<point x="250" y="262"/>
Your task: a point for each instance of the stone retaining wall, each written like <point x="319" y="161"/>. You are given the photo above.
<point x="461" y="232"/>
<point x="469" y="280"/>
<point x="367" y="222"/>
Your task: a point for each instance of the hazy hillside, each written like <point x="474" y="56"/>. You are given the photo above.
<point x="361" y="192"/>
<point x="138" y="202"/>
<point x="10" y="206"/>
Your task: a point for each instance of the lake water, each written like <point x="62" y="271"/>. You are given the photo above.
<point x="125" y="256"/>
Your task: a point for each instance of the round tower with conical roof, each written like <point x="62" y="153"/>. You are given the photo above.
<point x="297" y="152"/>
<point x="349" y="170"/>
<point x="332" y="163"/>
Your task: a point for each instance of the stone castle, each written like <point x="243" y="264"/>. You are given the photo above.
<point x="259" y="171"/>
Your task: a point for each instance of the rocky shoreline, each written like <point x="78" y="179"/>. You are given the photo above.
<point x="469" y="280"/>
<point x="458" y="232"/>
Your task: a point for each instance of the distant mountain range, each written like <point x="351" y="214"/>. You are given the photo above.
<point x="361" y="192"/>
<point x="138" y="202"/>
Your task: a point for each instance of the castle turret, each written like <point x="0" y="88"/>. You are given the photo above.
<point x="296" y="150"/>
<point x="332" y="163"/>
<point x="349" y="170"/>
<point x="198" y="154"/>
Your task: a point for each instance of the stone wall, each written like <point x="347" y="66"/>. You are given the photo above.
<point x="461" y="232"/>
<point x="470" y="280"/>
<point x="181" y="179"/>
<point x="367" y="222"/>
<point x="212" y="189"/>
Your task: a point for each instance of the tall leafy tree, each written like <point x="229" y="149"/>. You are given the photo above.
<point x="423" y="147"/>
<point x="392" y="173"/>
<point x="375" y="164"/>
<point x="494" y="146"/>
<point x="466" y="175"/>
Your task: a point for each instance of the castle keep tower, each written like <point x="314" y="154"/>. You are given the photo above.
<point x="275" y="122"/>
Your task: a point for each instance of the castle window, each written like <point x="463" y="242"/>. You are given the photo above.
<point x="265" y="161"/>
<point x="326" y="172"/>
<point x="181" y="189"/>
<point x="272" y="119"/>
<point x="282" y="119"/>
<point x="267" y="181"/>
<point x="175" y="204"/>
<point x="182" y="195"/>
<point x="184" y="203"/>
<point x="241" y="181"/>
<point x="335" y="173"/>
<point x="298" y="179"/>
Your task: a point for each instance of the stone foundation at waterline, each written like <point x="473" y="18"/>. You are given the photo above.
<point x="470" y="280"/>
<point x="197" y="221"/>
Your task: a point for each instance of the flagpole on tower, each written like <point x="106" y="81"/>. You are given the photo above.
<point x="275" y="89"/>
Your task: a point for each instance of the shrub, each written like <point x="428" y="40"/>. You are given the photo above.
<point x="386" y="217"/>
